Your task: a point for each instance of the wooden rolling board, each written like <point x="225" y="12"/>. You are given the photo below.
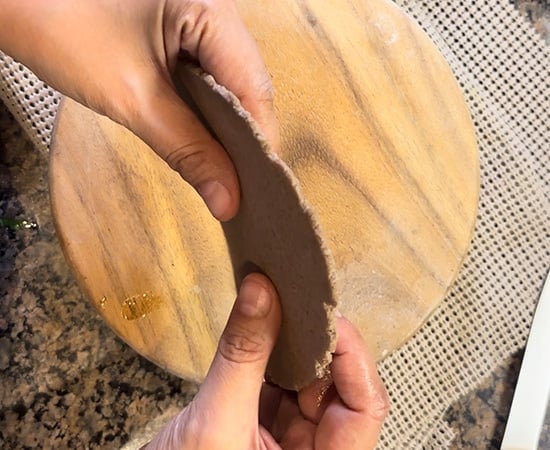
<point x="376" y="130"/>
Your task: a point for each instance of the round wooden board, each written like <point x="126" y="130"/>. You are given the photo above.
<point x="373" y="125"/>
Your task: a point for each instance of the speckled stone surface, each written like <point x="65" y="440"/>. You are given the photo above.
<point x="66" y="381"/>
<point x="480" y="418"/>
<point x="537" y="12"/>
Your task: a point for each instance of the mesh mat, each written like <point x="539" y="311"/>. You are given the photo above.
<point x="31" y="101"/>
<point x="502" y="67"/>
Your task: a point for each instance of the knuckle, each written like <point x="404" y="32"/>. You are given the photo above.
<point x="379" y="406"/>
<point x="190" y="430"/>
<point x="261" y="95"/>
<point x="189" y="159"/>
<point x="119" y="109"/>
<point x="265" y="90"/>
<point x="240" y="347"/>
<point x="196" y="16"/>
<point x="126" y="107"/>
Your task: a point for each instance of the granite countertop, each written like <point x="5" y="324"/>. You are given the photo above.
<point x="66" y="381"/>
<point x="65" y="377"/>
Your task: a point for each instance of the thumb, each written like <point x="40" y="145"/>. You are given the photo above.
<point x="173" y="131"/>
<point x="232" y="387"/>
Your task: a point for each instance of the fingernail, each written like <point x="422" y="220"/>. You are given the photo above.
<point x="338" y="314"/>
<point x="216" y="196"/>
<point x="254" y="300"/>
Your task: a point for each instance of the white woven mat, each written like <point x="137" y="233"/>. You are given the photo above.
<point x="503" y="68"/>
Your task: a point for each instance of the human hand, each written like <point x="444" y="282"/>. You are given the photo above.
<point x="235" y="410"/>
<point x="344" y="410"/>
<point x="118" y="56"/>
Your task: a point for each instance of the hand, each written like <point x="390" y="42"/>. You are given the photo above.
<point x="235" y="410"/>
<point x="117" y="57"/>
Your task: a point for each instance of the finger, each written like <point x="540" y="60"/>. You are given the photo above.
<point x="231" y="391"/>
<point x="269" y="443"/>
<point x="270" y="399"/>
<point x="290" y="428"/>
<point x="220" y="42"/>
<point x="356" y="415"/>
<point x="168" y="126"/>
<point x="300" y="435"/>
<point x="315" y="398"/>
<point x="355" y="375"/>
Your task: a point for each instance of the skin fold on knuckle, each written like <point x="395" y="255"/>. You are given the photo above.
<point x="192" y="429"/>
<point x="124" y="106"/>
<point x="379" y="401"/>
<point x="130" y="97"/>
<point x="183" y="431"/>
<point x="265" y="92"/>
<point x="260" y="94"/>
<point x="190" y="160"/>
<point x="196" y="17"/>
<point x="241" y="346"/>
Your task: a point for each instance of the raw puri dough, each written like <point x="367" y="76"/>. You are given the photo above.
<point x="276" y="233"/>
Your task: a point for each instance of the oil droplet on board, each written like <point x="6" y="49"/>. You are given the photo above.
<point x="103" y="302"/>
<point x="138" y="306"/>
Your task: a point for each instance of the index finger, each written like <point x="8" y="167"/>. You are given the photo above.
<point x="230" y="54"/>
<point x="355" y="375"/>
<point x="353" y="419"/>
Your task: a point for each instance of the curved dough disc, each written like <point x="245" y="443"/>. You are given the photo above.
<point x="275" y="232"/>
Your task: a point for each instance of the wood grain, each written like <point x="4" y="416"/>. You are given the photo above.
<point x="374" y="127"/>
<point x="275" y="232"/>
